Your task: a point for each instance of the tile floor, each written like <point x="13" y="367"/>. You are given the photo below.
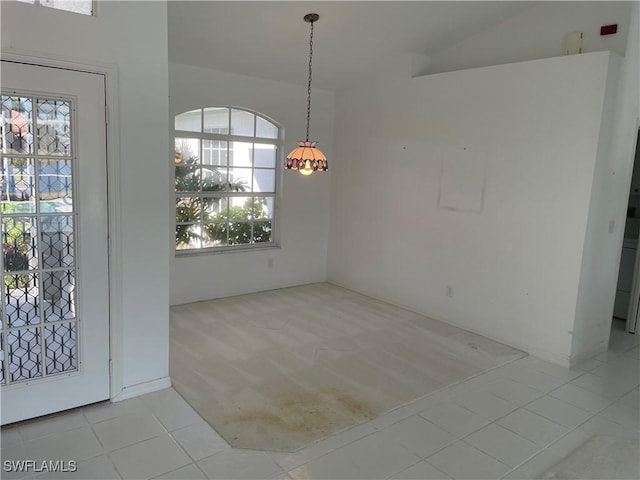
<point x="512" y="422"/>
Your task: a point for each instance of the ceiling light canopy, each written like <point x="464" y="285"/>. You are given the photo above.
<point x="307" y="158"/>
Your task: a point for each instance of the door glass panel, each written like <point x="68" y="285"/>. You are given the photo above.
<point x="21" y="299"/>
<point x="54" y="127"/>
<point x="19" y="243"/>
<point x="24" y="354"/>
<point x="17" y="185"/>
<point x="55" y="185"/>
<point x="17" y="124"/>
<point x="1" y="358"/>
<point x="61" y="347"/>
<point x="56" y="241"/>
<point x="37" y="218"/>
<point x="58" y="294"/>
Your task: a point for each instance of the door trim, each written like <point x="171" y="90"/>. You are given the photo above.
<point x="110" y="71"/>
<point x="634" y="305"/>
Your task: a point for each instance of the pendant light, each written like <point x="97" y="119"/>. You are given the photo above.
<point x="307" y="158"/>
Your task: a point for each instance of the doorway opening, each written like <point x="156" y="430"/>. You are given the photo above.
<point x="625" y="311"/>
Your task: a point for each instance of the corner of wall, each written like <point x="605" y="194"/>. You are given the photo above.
<point x="609" y="198"/>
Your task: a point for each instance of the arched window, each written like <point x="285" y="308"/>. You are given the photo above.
<point x="226" y="165"/>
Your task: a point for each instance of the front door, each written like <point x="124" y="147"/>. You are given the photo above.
<point x="54" y="324"/>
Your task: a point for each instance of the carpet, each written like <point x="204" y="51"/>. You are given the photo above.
<point x="281" y="369"/>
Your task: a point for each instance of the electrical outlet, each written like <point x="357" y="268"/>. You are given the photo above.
<point x="449" y="291"/>
<point x="270" y="262"/>
<point x="612" y="225"/>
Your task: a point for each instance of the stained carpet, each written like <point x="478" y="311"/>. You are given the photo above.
<point x="278" y="370"/>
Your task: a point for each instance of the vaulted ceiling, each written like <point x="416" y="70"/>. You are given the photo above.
<point x="270" y="39"/>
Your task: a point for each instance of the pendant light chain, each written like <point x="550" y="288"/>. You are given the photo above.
<point x="309" y="84"/>
<point x="307" y="157"/>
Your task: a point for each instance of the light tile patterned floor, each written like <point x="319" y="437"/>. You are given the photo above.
<point x="499" y="434"/>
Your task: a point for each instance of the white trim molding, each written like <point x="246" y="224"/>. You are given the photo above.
<point x="141" y="389"/>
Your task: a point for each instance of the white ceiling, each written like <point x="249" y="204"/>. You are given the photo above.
<point x="269" y="39"/>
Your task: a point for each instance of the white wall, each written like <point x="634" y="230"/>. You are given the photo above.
<point x="303" y="207"/>
<point x="608" y="203"/>
<point x="514" y="267"/>
<point x="539" y="32"/>
<point x="132" y="35"/>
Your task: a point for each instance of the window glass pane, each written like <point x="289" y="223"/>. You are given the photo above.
<point x="242" y="123"/>
<point x="215" y="209"/>
<point x="215" y="234"/>
<point x="187" y="178"/>
<point x="264" y="180"/>
<point x="264" y="208"/>
<point x="265" y="129"/>
<point x="85" y="7"/>
<point x="187" y="151"/>
<point x="189" y="121"/>
<point x="241" y="178"/>
<point x="216" y="120"/>
<point x="262" y="231"/>
<point x="188" y="210"/>
<point x="264" y="156"/>
<point x="17" y="185"/>
<point x="239" y="233"/>
<point x="240" y="154"/>
<point x="188" y="236"/>
<point x="54" y="127"/>
<point x="240" y="208"/>
<point x="214" y="152"/>
<point x="215" y="179"/>
<point x="17" y="125"/>
<point x="215" y="170"/>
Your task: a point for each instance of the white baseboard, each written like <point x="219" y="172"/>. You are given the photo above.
<point x="540" y="353"/>
<point x="583" y="357"/>
<point x="142" y="388"/>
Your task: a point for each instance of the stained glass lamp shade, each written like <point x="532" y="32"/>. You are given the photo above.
<point x="307" y="158"/>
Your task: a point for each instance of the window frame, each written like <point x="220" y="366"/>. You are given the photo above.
<point x="38" y="3"/>
<point x="202" y="136"/>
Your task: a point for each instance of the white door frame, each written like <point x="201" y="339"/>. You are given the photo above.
<point x="111" y="74"/>
<point x="634" y="303"/>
